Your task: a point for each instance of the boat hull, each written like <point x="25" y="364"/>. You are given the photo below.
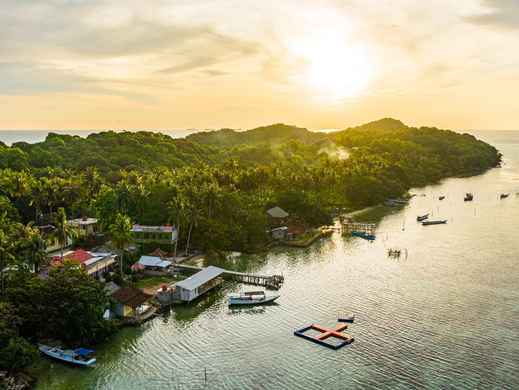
<point x="65" y="356"/>
<point x="251" y="302"/>
<point x="429" y="223"/>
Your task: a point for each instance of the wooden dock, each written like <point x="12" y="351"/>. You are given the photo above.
<point x="273" y="282"/>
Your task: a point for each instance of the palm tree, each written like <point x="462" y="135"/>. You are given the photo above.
<point x="120" y="233"/>
<point x="5" y="246"/>
<point x="63" y="230"/>
<point x="34" y="246"/>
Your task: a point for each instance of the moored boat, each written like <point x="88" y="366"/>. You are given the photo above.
<point x="347" y="318"/>
<point x="437" y="222"/>
<point x="468" y="197"/>
<point x="421" y="218"/>
<point x="78" y="356"/>
<point x="364" y="235"/>
<point x="251" y="298"/>
<point x="504" y="196"/>
<point x="441" y="197"/>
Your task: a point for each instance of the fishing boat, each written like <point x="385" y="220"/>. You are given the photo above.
<point x="468" y="197"/>
<point x="437" y="222"/>
<point x="504" y="196"/>
<point x="251" y="298"/>
<point x="347" y="318"/>
<point x="78" y="356"/>
<point x="396" y="202"/>
<point x="421" y="218"/>
<point x="364" y="235"/>
<point x="442" y="197"/>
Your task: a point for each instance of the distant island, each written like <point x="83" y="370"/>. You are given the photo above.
<point x="214" y="187"/>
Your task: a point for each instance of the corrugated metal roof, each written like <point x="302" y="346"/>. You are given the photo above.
<point x="277" y="212"/>
<point x="153" y="229"/>
<point x="200" y="278"/>
<point x="153" y="261"/>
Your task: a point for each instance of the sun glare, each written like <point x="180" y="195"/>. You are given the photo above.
<point x="334" y="68"/>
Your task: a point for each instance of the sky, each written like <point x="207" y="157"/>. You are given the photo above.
<point x="156" y="64"/>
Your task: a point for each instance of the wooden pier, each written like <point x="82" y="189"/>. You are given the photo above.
<point x="273" y="282"/>
<point x="350" y="226"/>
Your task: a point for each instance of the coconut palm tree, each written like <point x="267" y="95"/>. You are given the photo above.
<point x="120" y="233"/>
<point x="64" y="231"/>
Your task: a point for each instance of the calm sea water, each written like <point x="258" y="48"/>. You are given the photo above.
<point x="444" y="316"/>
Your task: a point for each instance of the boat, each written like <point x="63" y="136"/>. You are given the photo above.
<point x="79" y="356"/>
<point x="364" y="235"/>
<point x="504" y="196"/>
<point x="396" y="202"/>
<point x="442" y="197"/>
<point x="347" y="318"/>
<point x="437" y="222"/>
<point x="421" y="218"/>
<point x="251" y="298"/>
<point x="468" y="197"/>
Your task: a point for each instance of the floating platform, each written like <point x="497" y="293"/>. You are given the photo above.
<point x="326" y="334"/>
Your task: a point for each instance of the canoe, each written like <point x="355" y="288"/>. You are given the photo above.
<point x="78" y="356"/>
<point x="439" y="222"/>
<point x="251" y="298"/>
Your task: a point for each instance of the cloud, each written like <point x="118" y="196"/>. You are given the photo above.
<point x="500" y="13"/>
<point x="58" y="45"/>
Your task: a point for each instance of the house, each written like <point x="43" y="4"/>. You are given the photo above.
<point x="277" y="213"/>
<point x="157" y="234"/>
<point x="132" y="304"/>
<point x="151" y="263"/>
<point x="49" y="236"/>
<point x="95" y="264"/>
<point x="84" y="226"/>
<point x="198" y="284"/>
<point x="279" y="233"/>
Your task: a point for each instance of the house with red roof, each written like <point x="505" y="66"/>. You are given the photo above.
<point x="95" y="264"/>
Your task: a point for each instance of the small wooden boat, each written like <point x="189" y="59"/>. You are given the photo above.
<point x="78" y="356"/>
<point x="442" y="197"/>
<point x="421" y="218"/>
<point x="468" y="197"/>
<point x="437" y="222"/>
<point x="504" y="196"/>
<point x="251" y="298"/>
<point x="347" y="318"/>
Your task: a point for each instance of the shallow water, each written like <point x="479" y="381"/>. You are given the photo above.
<point x="444" y="316"/>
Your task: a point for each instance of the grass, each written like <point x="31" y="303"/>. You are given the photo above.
<point x="152" y="281"/>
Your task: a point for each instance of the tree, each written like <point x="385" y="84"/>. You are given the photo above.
<point x="64" y="231"/>
<point x="15" y="351"/>
<point x="120" y="233"/>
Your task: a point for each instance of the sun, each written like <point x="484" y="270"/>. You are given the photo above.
<point x="333" y="68"/>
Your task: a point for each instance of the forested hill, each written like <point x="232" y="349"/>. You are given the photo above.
<point x="273" y="134"/>
<point x="446" y="152"/>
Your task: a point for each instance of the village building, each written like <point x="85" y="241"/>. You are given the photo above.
<point x="132" y="304"/>
<point x="279" y="233"/>
<point x="84" y="226"/>
<point x="95" y="264"/>
<point x="277" y="213"/>
<point x="197" y="284"/>
<point x="50" y="238"/>
<point x="143" y="234"/>
<point x="151" y="263"/>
